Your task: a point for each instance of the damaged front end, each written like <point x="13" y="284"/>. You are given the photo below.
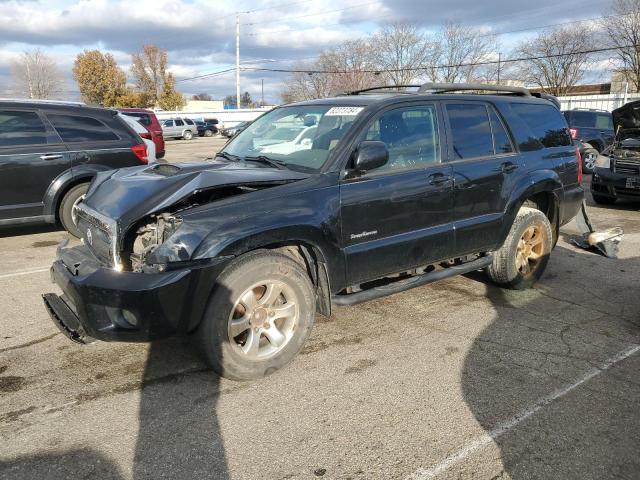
<point x="134" y="277"/>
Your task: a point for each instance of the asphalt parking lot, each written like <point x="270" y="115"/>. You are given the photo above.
<point x="458" y="379"/>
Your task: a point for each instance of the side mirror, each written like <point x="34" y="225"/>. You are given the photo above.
<point x="306" y="142"/>
<point x="371" y="154"/>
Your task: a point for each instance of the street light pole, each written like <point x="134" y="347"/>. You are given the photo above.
<point x="237" y="60"/>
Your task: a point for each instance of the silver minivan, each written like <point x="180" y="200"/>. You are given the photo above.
<point x="179" y="128"/>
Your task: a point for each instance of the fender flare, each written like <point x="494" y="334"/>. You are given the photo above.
<point x="64" y="181"/>
<point x="542" y="181"/>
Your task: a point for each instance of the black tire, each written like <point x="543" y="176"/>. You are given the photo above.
<point x="65" y="211"/>
<point x="504" y="270"/>
<point x="187" y="135"/>
<point x="208" y="133"/>
<point x="602" y="200"/>
<point x="245" y="274"/>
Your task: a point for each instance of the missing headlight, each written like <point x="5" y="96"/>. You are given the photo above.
<point x="150" y="236"/>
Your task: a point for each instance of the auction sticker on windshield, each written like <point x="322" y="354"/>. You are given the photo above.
<point x="343" y="111"/>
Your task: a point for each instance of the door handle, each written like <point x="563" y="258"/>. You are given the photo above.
<point x="438" y="179"/>
<point x="507" y="167"/>
<point x="52" y="156"/>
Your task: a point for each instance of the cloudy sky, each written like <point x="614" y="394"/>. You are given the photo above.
<point x="200" y="34"/>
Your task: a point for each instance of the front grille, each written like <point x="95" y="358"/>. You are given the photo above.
<point x="97" y="234"/>
<point x="630" y="168"/>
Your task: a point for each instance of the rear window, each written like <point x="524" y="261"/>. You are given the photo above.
<point x="21" y="128"/>
<point x="143" y="118"/>
<point x="72" y="128"/>
<point x="546" y="125"/>
<point x="602" y="120"/>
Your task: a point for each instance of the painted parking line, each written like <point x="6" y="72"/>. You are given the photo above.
<point x="24" y="272"/>
<point x="522" y="415"/>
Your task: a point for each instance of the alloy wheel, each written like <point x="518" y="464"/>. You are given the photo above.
<point x="530" y="249"/>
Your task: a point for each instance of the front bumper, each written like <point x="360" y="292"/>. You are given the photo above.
<point x="606" y="183"/>
<point x="101" y="303"/>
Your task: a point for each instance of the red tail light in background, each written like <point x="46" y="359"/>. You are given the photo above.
<point x="146" y="135"/>
<point x="141" y="152"/>
<point x="579" y="157"/>
<point x="574" y="133"/>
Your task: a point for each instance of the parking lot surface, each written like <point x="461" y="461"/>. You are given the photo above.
<point x="457" y="379"/>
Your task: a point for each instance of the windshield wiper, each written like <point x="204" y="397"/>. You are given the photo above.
<point x="269" y="161"/>
<point x="228" y="156"/>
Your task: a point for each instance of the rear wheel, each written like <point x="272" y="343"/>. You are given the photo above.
<point x="187" y="135"/>
<point x="589" y="160"/>
<point x="66" y="211"/>
<point x="521" y="260"/>
<point x="603" y="200"/>
<point x="260" y="313"/>
<point x="208" y="133"/>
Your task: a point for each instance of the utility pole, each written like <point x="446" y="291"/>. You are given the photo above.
<point x="262" y="90"/>
<point x="237" y="60"/>
<point x="499" y="62"/>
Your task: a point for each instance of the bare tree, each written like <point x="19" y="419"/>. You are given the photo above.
<point x="399" y="50"/>
<point x="457" y="51"/>
<point x="149" y="70"/>
<point x="623" y="30"/>
<point x="304" y="86"/>
<point x="37" y="76"/>
<point x="557" y="59"/>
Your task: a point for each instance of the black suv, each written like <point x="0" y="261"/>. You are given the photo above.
<point x="393" y="191"/>
<point x="50" y="151"/>
<point x="593" y="129"/>
<point x="207" y="127"/>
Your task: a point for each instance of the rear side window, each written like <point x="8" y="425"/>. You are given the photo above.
<point x="21" y="128"/>
<point x="470" y="129"/>
<point x="546" y="124"/>
<point x="72" y="128"/>
<point x="143" y="118"/>
<point x="502" y="142"/>
<point x="188" y="121"/>
<point x="179" y="123"/>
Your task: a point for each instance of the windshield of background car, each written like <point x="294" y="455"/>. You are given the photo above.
<point x="300" y="137"/>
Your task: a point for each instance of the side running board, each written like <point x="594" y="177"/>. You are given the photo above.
<point x="402" y="285"/>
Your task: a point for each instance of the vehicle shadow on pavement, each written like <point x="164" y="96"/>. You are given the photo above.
<point x="526" y="376"/>
<point x="17" y="231"/>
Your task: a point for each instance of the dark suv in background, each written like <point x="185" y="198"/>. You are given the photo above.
<point x="593" y="129"/>
<point x="50" y="152"/>
<point x="393" y="191"/>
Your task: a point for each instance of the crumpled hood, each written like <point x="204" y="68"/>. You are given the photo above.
<point x="129" y="194"/>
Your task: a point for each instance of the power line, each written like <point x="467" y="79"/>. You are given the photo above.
<point x="312" y="14"/>
<point x="426" y="67"/>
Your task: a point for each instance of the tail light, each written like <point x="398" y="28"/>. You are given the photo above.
<point x="141" y="152"/>
<point x="579" y="157"/>
<point x="574" y="133"/>
<point x="146" y="135"/>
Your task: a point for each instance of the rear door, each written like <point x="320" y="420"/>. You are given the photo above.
<point x="31" y="157"/>
<point x="397" y="217"/>
<point x="95" y="138"/>
<point x="485" y="167"/>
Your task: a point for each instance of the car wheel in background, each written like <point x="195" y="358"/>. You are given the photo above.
<point x="67" y="206"/>
<point x="589" y="157"/>
<point x="260" y="313"/>
<point x="208" y="133"/>
<point x="187" y="135"/>
<point x="521" y="260"/>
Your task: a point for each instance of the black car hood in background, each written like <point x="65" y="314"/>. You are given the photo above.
<point x="627" y="116"/>
<point x="133" y="193"/>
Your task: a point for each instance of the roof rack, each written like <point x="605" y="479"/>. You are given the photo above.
<point x="455" y="87"/>
<point x="384" y="87"/>
<point x="39" y="100"/>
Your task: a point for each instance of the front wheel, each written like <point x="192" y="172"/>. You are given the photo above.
<point x="602" y="200"/>
<point x="589" y="158"/>
<point x="67" y="210"/>
<point x="208" y="133"/>
<point x="260" y="313"/>
<point x="521" y="260"/>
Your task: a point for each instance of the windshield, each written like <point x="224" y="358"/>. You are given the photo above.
<point x="299" y="137"/>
